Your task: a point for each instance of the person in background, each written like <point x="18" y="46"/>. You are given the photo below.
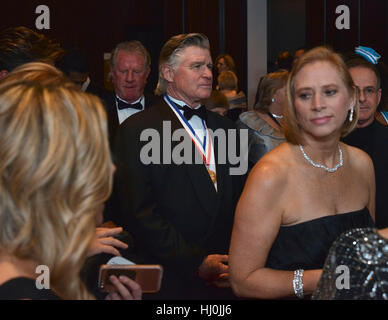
<point x="284" y="61"/>
<point x="130" y="66"/>
<point x="19" y="45"/>
<point x="73" y="171"/>
<point x="228" y="85"/>
<point x="264" y="123"/>
<point x="298" y="53"/>
<point x="371" y="136"/>
<point x="217" y="102"/>
<point x="32" y="54"/>
<point x="306" y="192"/>
<point x="224" y="62"/>
<point x="75" y="66"/>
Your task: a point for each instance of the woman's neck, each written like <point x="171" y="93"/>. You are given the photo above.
<point x="229" y="93"/>
<point x="275" y="108"/>
<point x="324" y="151"/>
<point x="276" y="124"/>
<point x="12" y="267"/>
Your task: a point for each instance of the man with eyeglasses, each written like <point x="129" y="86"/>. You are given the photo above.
<point x="370" y="135"/>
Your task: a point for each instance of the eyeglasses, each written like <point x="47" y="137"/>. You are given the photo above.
<point x="367" y="91"/>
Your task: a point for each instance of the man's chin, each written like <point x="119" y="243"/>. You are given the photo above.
<point x="206" y="93"/>
<point x="130" y="98"/>
<point x="364" y="121"/>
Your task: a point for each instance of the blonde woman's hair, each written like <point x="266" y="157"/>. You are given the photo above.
<point x="40" y="72"/>
<point x="292" y="128"/>
<point x="55" y="173"/>
<point x="269" y="84"/>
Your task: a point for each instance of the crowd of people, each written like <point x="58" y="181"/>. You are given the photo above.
<point x="159" y="177"/>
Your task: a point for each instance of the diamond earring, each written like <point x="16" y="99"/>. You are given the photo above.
<point x="273" y="100"/>
<point x="351" y="114"/>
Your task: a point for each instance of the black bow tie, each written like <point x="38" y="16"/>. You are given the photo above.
<point x="189" y="112"/>
<point x="123" y="105"/>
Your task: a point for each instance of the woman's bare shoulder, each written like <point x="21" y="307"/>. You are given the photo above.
<point x="273" y="168"/>
<point x="358" y="158"/>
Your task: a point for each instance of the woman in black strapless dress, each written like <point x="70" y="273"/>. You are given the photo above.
<point x="303" y="194"/>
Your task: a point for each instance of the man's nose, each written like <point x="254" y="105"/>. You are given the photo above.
<point x="129" y="76"/>
<point x="361" y="95"/>
<point x="208" y="73"/>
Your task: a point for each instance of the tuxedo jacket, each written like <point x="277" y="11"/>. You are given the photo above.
<point x="173" y="211"/>
<point x="109" y="99"/>
<point x="373" y="139"/>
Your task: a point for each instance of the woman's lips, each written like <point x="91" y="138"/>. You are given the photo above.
<point x="321" y="120"/>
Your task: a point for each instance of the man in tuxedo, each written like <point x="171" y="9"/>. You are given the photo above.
<point x="371" y="136"/>
<point x="180" y="213"/>
<point x="130" y="66"/>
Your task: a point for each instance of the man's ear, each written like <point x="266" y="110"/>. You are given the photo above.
<point x="168" y="73"/>
<point x="3" y="73"/>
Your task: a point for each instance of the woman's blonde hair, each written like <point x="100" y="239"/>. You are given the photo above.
<point x="40" y="72"/>
<point x="56" y="173"/>
<point x="292" y="128"/>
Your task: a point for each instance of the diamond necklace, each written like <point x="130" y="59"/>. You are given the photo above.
<point x="340" y="163"/>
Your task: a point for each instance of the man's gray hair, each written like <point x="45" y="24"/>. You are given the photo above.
<point x="172" y="49"/>
<point x="133" y="47"/>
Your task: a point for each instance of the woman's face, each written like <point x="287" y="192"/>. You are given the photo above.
<point x="280" y="95"/>
<point x="322" y="100"/>
<point x="221" y="65"/>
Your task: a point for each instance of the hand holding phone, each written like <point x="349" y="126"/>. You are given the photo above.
<point x="125" y="289"/>
<point x="149" y="277"/>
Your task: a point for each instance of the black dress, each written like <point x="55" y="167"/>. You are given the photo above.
<point x="24" y="288"/>
<point x="305" y="245"/>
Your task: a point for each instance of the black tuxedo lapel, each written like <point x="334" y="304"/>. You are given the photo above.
<point x="109" y="100"/>
<point x="112" y="113"/>
<point x="199" y="177"/>
<point x="150" y="100"/>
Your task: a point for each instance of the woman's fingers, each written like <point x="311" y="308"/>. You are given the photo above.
<point x="127" y="289"/>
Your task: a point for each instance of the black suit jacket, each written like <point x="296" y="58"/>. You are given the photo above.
<point x="109" y="99"/>
<point x="173" y="211"/>
<point x="373" y="139"/>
